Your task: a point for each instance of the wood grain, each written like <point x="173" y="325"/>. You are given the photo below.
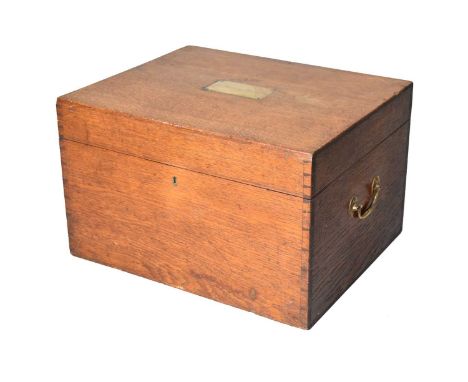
<point x="309" y="106"/>
<point x="343" y="247"/>
<point x="234" y="243"/>
<point x="260" y="165"/>
<point x="356" y="142"/>
<point x="241" y="200"/>
<point x="152" y="111"/>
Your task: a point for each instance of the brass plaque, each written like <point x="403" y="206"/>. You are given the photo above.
<point x="239" y="89"/>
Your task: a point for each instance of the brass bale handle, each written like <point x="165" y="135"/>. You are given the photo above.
<point x="359" y="210"/>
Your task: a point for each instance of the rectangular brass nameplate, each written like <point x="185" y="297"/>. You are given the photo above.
<point x="239" y="89"/>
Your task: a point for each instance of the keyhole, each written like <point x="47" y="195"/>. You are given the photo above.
<point x="174" y="180"/>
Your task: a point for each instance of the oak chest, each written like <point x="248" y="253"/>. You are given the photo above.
<point x="263" y="184"/>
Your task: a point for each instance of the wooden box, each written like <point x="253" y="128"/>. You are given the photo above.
<point x="263" y="184"/>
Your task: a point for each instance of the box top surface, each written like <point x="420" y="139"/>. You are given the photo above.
<point x="294" y="106"/>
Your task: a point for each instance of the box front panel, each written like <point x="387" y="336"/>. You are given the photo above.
<point x="231" y="242"/>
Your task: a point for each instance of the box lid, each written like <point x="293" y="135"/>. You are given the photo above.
<point x="250" y="119"/>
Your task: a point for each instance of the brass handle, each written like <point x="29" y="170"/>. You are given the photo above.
<point x="359" y="210"/>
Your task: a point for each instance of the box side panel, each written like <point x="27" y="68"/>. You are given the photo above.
<point x="343" y="245"/>
<point x="340" y="154"/>
<point x="231" y="242"/>
<point x="252" y="163"/>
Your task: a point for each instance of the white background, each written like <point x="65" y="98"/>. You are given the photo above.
<point x="67" y="319"/>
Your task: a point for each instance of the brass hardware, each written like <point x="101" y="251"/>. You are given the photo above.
<point x="239" y="89"/>
<point x="359" y="210"/>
